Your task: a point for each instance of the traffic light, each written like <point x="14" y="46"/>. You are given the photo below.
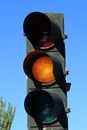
<point x="44" y="65"/>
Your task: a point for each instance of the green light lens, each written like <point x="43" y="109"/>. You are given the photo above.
<point x="44" y="109"/>
<point x="46" y="113"/>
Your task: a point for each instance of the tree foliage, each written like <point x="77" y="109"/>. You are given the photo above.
<point x="6" y="116"/>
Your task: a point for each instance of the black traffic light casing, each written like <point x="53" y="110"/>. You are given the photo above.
<point x="46" y="100"/>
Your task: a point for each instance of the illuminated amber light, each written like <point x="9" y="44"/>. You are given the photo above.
<point x="42" y="70"/>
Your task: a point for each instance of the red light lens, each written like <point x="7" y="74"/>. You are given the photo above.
<point x="46" y="44"/>
<point x="45" y="41"/>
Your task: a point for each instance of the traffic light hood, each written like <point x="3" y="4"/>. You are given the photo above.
<point x="44" y="106"/>
<point x="42" y="67"/>
<point x="35" y="24"/>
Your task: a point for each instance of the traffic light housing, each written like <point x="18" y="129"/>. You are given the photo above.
<point x="44" y="65"/>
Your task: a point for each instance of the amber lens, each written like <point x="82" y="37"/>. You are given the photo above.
<point x="42" y="70"/>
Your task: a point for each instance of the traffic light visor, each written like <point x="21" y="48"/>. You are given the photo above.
<point x="35" y="24"/>
<point x="40" y="105"/>
<point x="39" y="66"/>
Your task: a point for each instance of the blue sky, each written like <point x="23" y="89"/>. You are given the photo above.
<point x="13" y="51"/>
